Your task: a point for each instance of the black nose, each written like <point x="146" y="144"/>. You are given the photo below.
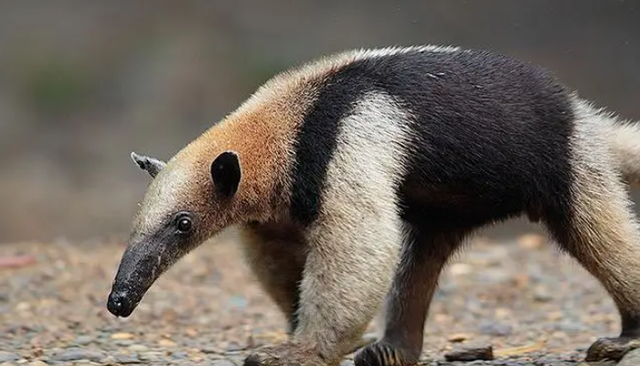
<point x="119" y="304"/>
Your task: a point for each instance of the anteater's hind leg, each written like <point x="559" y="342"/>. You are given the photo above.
<point x="424" y="254"/>
<point x="598" y="228"/>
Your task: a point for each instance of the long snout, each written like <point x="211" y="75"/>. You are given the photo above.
<point x="140" y="266"/>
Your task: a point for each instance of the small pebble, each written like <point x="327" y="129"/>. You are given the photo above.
<point x="459" y="269"/>
<point x="83" y="339"/>
<point x="8" y="356"/>
<point x="531" y="241"/>
<point x="211" y="349"/>
<point x="238" y="301"/>
<point x="495" y="329"/>
<point x="166" y="343"/>
<point x="122" y="336"/>
<point x="123" y="342"/>
<point x="179" y="355"/>
<point x="180" y="362"/>
<point x="470" y="353"/>
<point x="37" y="363"/>
<point x="541" y="294"/>
<point x="125" y="359"/>
<point x="23" y="306"/>
<point x="233" y="346"/>
<point x="151" y="356"/>
<point x="138" y="348"/>
<point x="459" y="337"/>
<point x="570" y="326"/>
<point x="75" y="354"/>
<point x="221" y="362"/>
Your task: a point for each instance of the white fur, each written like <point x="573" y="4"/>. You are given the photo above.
<point x="388" y="51"/>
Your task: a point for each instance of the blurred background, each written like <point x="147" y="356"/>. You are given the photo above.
<point x="82" y="84"/>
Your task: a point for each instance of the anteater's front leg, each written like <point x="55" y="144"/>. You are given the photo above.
<point x="424" y="254"/>
<point x="275" y="254"/>
<point x="347" y="273"/>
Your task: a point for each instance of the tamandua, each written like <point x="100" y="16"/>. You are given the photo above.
<point x="354" y="178"/>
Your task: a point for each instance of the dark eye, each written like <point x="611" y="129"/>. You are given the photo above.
<point x="184" y="224"/>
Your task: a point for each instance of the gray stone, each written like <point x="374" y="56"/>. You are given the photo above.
<point x="83" y="339"/>
<point x="77" y="353"/>
<point x="495" y="329"/>
<point x="570" y="326"/>
<point x="179" y="355"/>
<point x="541" y="294"/>
<point x="151" y="356"/>
<point x="37" y="363"/>
<point x="8" y="356"/>
<point x="138" y="348"/>
<point x="211" y="349"/>
<point x="632" y="358"/>
<point x="234" y="347"/>
<point x="123" y="342"/>
<point x="125" y="359"/>
<point x="185" y="363"/>
<point x="221" y="362"/>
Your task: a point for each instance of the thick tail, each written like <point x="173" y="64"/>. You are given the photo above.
<point x="623" y="137"/>
<point x="625" y="143"/>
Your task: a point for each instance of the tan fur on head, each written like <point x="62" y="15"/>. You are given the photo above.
<point x="272" y="115"/>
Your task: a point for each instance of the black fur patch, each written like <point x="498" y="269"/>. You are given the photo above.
<point x="491" y="137"/>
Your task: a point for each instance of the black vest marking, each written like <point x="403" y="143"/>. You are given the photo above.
<point x="490" y="137"/>
<point x="490" y="141"/>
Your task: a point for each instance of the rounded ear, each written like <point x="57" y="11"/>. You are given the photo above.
<point x="148" y="164"/>
<point x="226" y="173"/>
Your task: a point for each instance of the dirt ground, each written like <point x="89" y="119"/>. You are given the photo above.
<point x="534" y="305"/>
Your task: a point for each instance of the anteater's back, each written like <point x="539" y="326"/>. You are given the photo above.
<point x="487" y="135"/>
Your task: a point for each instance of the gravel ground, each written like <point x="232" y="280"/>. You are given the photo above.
<point x="534" y="305"/>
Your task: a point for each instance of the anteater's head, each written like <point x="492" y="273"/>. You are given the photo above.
<point x="190" y="199"/>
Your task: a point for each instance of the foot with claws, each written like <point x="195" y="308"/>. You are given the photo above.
<point x="285" y="354"/>
<point x="612" y="349"/>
